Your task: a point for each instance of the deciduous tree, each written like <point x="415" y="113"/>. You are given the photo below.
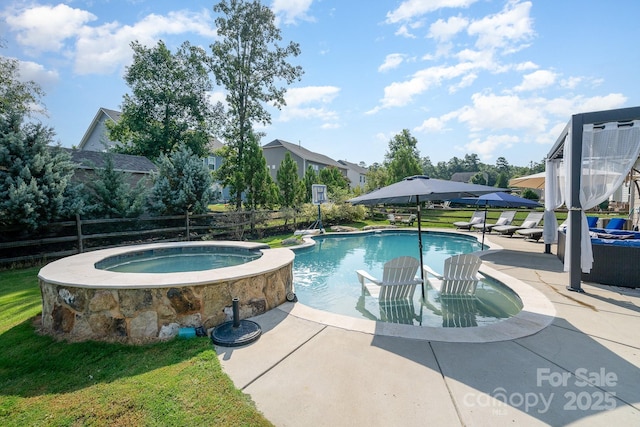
<point x="250" y="64"/>
<point x="169" y="102"/>
<point x="403" y="158"/>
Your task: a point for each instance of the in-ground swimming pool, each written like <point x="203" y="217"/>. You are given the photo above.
<point x="325" y="278"/>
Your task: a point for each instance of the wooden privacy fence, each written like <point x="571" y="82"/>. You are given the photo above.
<point x="71" y="237"/>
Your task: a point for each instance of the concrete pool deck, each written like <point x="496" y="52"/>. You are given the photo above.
<point x="303" y="372"/>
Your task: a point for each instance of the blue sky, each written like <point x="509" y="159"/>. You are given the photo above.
<point x="490" y="77"/>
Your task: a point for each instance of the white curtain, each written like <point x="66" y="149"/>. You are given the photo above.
<point x="608" y="153"/>
<point x="553" y="197"/>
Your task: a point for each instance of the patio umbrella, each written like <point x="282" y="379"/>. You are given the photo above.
<point x="498" y="199"/>
<point x="529" y="181"/>
<point x="420" y="188"/>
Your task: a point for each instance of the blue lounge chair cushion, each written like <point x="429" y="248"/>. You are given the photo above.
<point x="615" y="224"/>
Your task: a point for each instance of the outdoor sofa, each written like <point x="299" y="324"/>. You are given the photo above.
<point x="615" y="257"/>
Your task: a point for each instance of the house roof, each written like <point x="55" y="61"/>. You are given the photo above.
<point x="462" y="176"/>
<point x="121" y="162"/>
<point x="357" y="168"/>
<point x="111" y="114"/>
<point x="214" y="144"/>
<point x="304" y="153"/>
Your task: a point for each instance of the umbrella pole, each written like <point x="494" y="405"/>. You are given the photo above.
<point x="484" y="226"/>
<point x="420" y="245"/>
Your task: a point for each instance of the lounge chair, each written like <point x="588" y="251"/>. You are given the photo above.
<point x="505" y="218"/>
<point x="398" y="279"/>
<point x="478" y="217"/>
<point x="460" y="275"/>
<point x="615" y="224"/>
<point x="531" y="221"/>
<point x="392" y="219"/>
<point x="531" y="233"/>
<point x="409" y="220"/>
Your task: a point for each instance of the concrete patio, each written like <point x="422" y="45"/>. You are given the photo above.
<point x="581" y="369"/>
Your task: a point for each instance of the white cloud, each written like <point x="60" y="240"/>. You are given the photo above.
<point x="444" y="30"/>
<point x="104" y="49"/>
<point x="526" y="66"/>
<point x="38" y="73"/>
<point x="431" y="125"/>
<point x="508" y="30"/>
<point x="537" y="80"/>
<point x="399" y="94"/>
<point x="292" y="10"/>
<point x="571" y="82"/>
<point x="302" y="104"/>
<point x="486" y="147"/>
<point x="411" y="9"/>
<point x="100" y="49"/>
<point x="403" y="31"/>
<point x="599" y="103"/>
<point x="465" y="81"/>
<point x="45" y="28"/>
<point x="494" y="112"/>
<point x="393" y="60"/>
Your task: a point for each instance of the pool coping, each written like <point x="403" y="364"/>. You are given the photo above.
<point x="79" y="270"/>
<point x="537" y="312"/>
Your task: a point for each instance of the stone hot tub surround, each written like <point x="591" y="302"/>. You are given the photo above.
<point x="82" y="302"/>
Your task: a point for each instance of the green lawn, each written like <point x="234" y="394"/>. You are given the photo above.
<point x="46" y="382"/>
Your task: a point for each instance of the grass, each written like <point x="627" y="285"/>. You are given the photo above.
<point x="55" y="383"/>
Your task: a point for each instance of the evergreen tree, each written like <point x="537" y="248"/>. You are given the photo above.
<point x="182" y="183"/>
<point x="288" y="182"/>
<point x="35" y="178"/>
<point x="310" y="178"/>
<point x="259" y="185"/>
<point x="111" y="196"/>
<point x="333" y="179"/>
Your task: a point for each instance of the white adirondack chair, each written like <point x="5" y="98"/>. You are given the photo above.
<point x="398" y="279"/>
<point x="460" y="275"/>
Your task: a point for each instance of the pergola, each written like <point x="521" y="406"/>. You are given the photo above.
<point x="591" y="158"/>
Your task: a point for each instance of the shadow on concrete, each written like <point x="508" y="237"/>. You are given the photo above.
<point x="558" y="376"/>
<point x="523" y="259"/>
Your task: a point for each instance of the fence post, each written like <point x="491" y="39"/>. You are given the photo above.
<point x="79" y="231"/>
<point x="187" y="225"/>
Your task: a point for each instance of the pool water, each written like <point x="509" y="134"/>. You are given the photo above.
<point x="177" y="260"/>
<point x="325" y="278"/>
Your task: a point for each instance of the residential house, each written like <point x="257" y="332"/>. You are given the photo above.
<point x="213" y="162"/>
<point x="462" y="176"/>
<point x="96" y="137"/>
<point x="356" y="174"/>
<point x="275" y="151"/>
<point x="135" y="167"/>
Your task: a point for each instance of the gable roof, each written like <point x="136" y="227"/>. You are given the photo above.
<point x="304" y="153"/>
<point x="121" y="162"/>
<point x="462" y="176"/>
<point x="357" y="168"/>
<point x="214" y="144"/>
<point x="111" y="114"/>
